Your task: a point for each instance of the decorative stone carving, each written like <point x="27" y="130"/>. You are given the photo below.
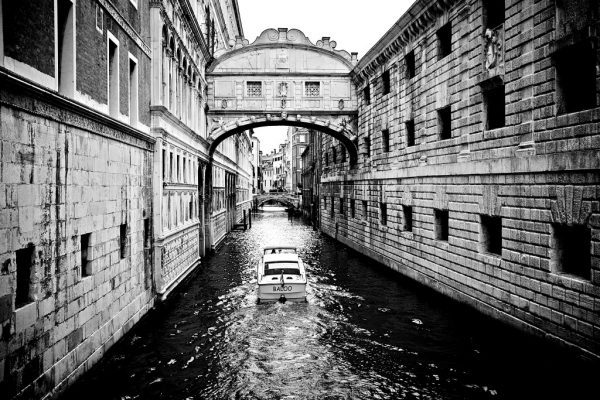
<point x="569" y="206"/>
<point x="341" y="104"/>
<point x="283" y="89"/>
<point x="490" y="202"/>
<point x="494" y="50"/>
<point x="223" y="104"/>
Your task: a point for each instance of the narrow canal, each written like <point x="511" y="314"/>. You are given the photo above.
<point x="365" y="333"/>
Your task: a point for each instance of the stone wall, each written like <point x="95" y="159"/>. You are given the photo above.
<point x="74" y="198"/>
<point x="485" y="210"/>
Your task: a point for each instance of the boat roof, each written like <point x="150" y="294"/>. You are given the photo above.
<point x="280" y="257"/>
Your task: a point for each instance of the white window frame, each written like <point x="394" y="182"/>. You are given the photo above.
<point x="101" y="27"/>
<point x="307" y="83"/>
<point x="66" y="88"/>
<point x="261" y="90"/>
<point x="111" y="38"/>
<point x="133" y="108"/>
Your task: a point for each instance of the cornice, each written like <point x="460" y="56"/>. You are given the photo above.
<point x="126" y="26"/>
<point x="56" y="107"/>
<point x="411" y="25"/>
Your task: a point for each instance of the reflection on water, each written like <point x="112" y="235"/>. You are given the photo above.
<point x="365" y="333"/>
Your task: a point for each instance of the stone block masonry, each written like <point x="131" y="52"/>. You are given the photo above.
<point x="62" y="180"/>
<point x="478" y="172"/>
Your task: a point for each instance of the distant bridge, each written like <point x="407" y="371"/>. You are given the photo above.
<point x="285" y="199"/>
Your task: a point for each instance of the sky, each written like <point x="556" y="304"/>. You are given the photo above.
<point x="354" y="25"/>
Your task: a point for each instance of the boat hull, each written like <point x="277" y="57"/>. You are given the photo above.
<point x="276" y="291"/>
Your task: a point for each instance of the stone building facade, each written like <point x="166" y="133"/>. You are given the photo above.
<point x="478" y="172"/>
<point x="105" y="203"/>
<point x="76" y="190"/>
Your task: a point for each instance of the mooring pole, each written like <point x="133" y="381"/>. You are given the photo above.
<point x="245" y="224"/>
<point x="250" y="220"/>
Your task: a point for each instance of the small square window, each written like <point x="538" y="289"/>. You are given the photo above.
<point x="410" y="132"/>
<point x="493" y="101"/>
<point x="409" y="59"/>
<point x="383" y="213"/>
<point x="24" y="271"/>
<point x="254" y="89"/>
<point x="123" y="240"/>
<point x="86" y="265"/>
<point x="408" y="218"/>
<point x="441" y="224"/>
<point x="385" y="140"/>
<point x="576" y="78"/>
<point x="572" y="250"/>
<point x="312" y="89"/>
<point x="493" y="13"/>
<point x="444" y="39"/>
<point x="367" y="94"/>
<point x="444" y="123"/>
<point x="491" y="234"/>
<point x="385" y="82"/>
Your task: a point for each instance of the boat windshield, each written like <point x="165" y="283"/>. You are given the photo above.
<point x="277" y="268"/>
<point x="280" y="251"/>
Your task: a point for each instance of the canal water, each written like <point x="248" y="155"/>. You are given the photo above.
<point x="365" y="333"/>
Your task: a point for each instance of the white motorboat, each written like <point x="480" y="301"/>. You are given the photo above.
<point x="281" y="275"/>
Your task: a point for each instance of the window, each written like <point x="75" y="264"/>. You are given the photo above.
<point x="177" y="176"/>
<point x="312" y="89"/>
<point x="494" y="109"/>
<point x="24" y="271"/>
<point x="444" y="124"/>
<point x="334" y="155"/>
<point x="409" y="59"/>
<point x="254" y="89"/>
<point x="86" y="267"/>
<point x="571" y="250"/>
<point x="325" y="202"/>
<point x="365" y="209"/>
<point x="367" y="94"/>
<point x="367" y="146"/>
<point x="385" y="82"/>
<point x="352" y="208"/>
<point x="66" y="48"/>
<point x="164" y="165"/>
<point x="493" y="13"/>
<point x="408" y="218"/>
<point x="99" y="18"/>
<point x="133" y="91"/>
<point x="184" y="178"/>
<point x="341" y="205"/>
<point x="410" y="132"/>
<point x="441" y="224"/>
<point x="326" y="158"/>
<point x="171" y="170"/>
<point x="113" y="76"/>
<point x="383" y="213"/>
<point x="444" y="39"/>
<point x="332" y="206"/>
<point x="576" y="78"/>
<point x="123" y="240"/>
<point x="343" y="153"/>
<point x="385" y="140"/>
<point x="491" y="234"/>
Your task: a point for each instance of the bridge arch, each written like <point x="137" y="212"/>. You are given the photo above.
<point x="338" y="131"/>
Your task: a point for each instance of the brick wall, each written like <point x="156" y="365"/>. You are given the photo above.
<point x="538" y="173"/>
<point x="29" y="33"/>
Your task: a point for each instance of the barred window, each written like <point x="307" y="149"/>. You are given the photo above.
<point x="254" y="88"/>
<point x="312" y="89"/>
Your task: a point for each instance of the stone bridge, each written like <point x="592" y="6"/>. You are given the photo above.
<point x="282" y="78"/>
<point x="284" y="199"/>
